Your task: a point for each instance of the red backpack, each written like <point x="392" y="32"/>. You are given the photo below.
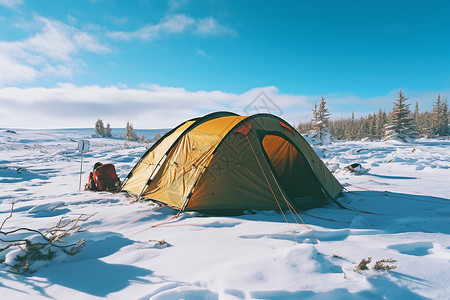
<point x="105" y="178"/>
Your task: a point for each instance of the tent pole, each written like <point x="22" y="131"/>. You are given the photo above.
<point x="191" y="191"/>
<point x="156" y="169"/>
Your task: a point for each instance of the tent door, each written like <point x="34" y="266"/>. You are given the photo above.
<point x="292" y="171"/>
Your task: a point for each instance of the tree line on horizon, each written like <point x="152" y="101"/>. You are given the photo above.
<point x="400" y="124"/>
<point x="130" y="134"/>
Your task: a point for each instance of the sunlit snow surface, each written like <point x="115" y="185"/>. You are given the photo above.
<point x="405" y="185"/>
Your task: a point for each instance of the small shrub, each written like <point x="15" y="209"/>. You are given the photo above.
<point x="385" y="264"/>
<point x="382" y="264"/>
<point x="161" y="243"/>
<point x="363" y="264"/>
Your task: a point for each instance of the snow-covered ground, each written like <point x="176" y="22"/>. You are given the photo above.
<point x="404" y="191"/>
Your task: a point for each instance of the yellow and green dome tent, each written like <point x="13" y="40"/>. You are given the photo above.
<point x="224" y="162"/>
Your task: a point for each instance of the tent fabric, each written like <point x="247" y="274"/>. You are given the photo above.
<point x="289" y="166"/>
<point x="149" y="162"/>
<point x="224" y="161"/>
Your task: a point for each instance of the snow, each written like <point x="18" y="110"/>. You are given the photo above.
<point x="398" y="207"/>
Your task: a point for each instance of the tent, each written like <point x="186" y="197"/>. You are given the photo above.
<point x="225" y="162"/>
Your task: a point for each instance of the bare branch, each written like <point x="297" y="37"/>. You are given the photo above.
<point x="44" y="249"/>
<point x="10" y="215"/>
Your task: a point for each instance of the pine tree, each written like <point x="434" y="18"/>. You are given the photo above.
<point x="417" y="117"/>
<point x="108" y="130"/>
<point x="315" y="118"/>
<point x="352" y="132"/>
<point x="372" y="126"/>
<point x="425" y="123"/>
<point x="379" y="124"/>
<point x="324" y="115"/>
<point x="445" y="130"/>
<point x="320" y="121"/>
<point x="436" y="122"/>
<point x="130" y="135"/>
<point x="439" y="119"/>
<point x="363" y="128"/>
<point x="400" y="125"/>
<point x="99" y="127"/>
<point x="416" y="112"/>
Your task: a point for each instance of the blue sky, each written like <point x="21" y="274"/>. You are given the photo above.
<point x="156" y="63"/>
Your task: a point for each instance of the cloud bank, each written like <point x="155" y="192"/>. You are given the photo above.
<point x="11" y="3"/>
<point x="154" y="106"/>
<point x="174" y="24"/>
<point x="149" y="106"/>
<point x="52" y="51"/>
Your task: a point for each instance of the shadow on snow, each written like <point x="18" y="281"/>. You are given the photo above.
<point x="87" y="273"/>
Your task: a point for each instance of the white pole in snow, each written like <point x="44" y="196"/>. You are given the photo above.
<point x="83" y="146"/>
<point x="81" y="171"/>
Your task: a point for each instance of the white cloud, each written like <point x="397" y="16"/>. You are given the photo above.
<point x="170" y="25"/>
<point x="201" y="52"/>
<point x="176" y="4"/>
<point x="204" y="54"/>
<point x="14" y="71"/>
<point x="11" y="3"/>
<point x="118" y="21"/>
<point x="49" y="52"/>
<point x="210" y="26"/>
<point x="85" y="41"/>
<point x="174" y="24"/>
<point x="149" y="106"/>
<point x="155" y="106"/>
<point x="72" y="19"/>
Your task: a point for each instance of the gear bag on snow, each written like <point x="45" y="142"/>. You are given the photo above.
<point x="105" y="178"/>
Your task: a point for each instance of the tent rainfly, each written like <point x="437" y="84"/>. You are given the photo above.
<point x="223" y="162"/>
